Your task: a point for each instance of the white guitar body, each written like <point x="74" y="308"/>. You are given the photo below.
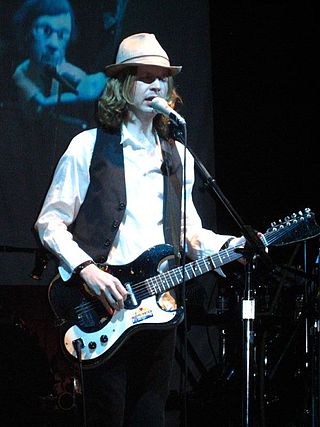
<point x="120" y="326"/>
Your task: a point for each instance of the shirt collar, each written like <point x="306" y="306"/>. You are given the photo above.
<point x="128" y="139"/>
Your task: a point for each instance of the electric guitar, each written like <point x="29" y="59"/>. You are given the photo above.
<point x="92" y="335"/>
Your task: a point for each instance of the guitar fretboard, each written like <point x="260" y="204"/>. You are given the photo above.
<point x="172" y="278"/>
<point x="301" y="227"/>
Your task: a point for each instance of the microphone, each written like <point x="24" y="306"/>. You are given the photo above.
<point x="52" y="72"/>
<point x="161" y="106"/>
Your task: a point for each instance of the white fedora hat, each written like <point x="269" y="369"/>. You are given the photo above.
<point x="141" y="49"/>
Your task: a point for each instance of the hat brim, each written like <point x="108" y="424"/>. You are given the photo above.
<point x="114" y="69"/>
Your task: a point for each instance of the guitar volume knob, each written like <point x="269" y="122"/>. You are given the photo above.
<point x="104" y="339"/>
<point x="92" y="345"/>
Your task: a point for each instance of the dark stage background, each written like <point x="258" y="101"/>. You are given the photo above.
<point x="247" y="88"/>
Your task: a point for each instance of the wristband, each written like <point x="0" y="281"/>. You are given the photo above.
<point x="80" y="267"/>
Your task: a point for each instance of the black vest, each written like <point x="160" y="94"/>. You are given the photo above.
<point x="104" y="206"/>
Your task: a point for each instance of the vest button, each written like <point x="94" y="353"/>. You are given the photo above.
<point x="115" y="224"/>
<point x="122" y="205"/>
<point x="107" y="242"/>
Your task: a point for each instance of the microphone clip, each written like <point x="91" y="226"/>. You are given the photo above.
<point x="176" y="132"/>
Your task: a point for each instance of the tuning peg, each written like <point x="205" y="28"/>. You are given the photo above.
<point x="273" y="227"/>
<point x="294" y="219"/>
<point x="308" y="212"/>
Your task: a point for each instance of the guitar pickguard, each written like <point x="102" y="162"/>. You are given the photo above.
<point x="104" y="341"/>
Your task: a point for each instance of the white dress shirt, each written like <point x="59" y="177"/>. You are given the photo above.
<point x="142" y="224"/>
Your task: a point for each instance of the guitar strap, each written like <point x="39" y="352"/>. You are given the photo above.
<point x="172" y="175"/>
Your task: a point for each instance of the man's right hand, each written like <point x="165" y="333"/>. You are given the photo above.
<point x="104" y="286"/>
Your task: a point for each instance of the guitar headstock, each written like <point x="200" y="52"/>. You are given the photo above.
<point x="294" y="228"/>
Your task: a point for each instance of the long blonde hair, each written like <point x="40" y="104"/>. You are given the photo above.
<point x="113" y="104"/>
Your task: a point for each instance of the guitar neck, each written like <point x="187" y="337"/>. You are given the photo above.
<point x="172" y="278"/>
<point x="298" y="228"/>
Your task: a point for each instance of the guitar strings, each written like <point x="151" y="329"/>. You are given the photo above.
<point x="162" y="279"/>
<point x="154" y="285"/>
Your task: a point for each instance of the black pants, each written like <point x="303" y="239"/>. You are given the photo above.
<point x="132" y="387"/>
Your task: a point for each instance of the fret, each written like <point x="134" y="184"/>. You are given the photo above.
<point x="212" y="262"/>
<point x="179" y="271"/>
<point x="203" y="266"/>
<point x="220" y="258"/>
<point x="192" y="269"/>
<point x="230" y="255"/>
<point x="169" y="276"/>
<point x="162" y="282"/>
<point x="225" y="257"/>
<point x="197" y="268"/>
<point x="150" y="286"/>
<point x="188" y="271"/>
<point x="208" y="264"/>
<point x="174" y="272"/>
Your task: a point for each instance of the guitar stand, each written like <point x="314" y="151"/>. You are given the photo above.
<point x="248" y="316"/>
<point x="254" y="247"/>
<point x="314" y="344"/>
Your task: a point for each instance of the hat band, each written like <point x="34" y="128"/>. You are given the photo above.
<point x="145" y="56"/>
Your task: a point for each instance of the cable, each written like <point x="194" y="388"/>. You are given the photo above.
<point x="78" y="344"/>
<point x="185" y="322"/>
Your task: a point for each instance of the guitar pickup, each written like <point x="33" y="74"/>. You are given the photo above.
<point x="131" y="294"/>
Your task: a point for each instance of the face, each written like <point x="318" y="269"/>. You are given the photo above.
<point x="151" y="81"/>
<point x="50" y="36"/>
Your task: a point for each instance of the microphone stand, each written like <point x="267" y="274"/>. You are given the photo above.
<point x="254" y="247"/>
